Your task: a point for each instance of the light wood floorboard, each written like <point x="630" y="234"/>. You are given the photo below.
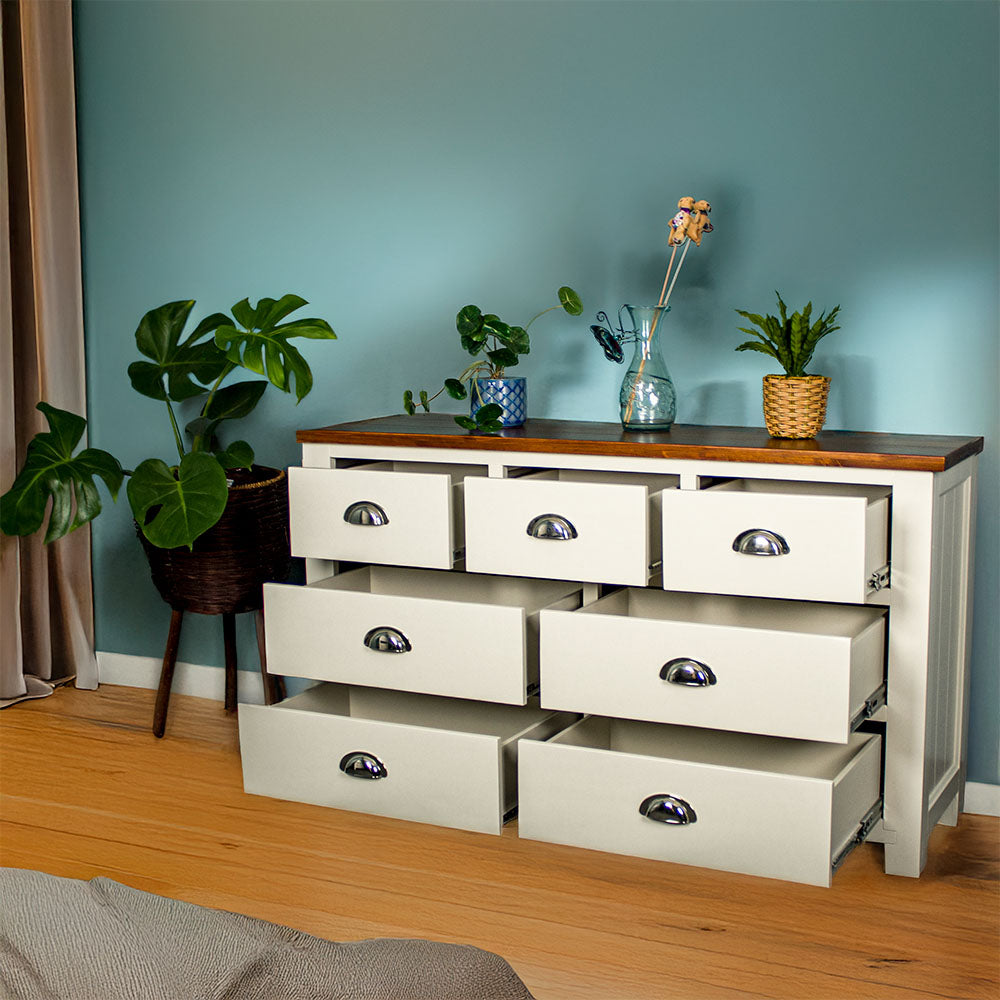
<point x="85" y="790"/>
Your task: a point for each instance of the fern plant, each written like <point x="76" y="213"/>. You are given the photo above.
<point x="790" y="340"/>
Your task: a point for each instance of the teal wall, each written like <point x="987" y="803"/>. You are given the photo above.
<point x="391" y="161"/>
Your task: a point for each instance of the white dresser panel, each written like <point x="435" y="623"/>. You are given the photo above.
<point x="569" y="525"/>
<point x="404" y="515"/>
<point x="782" y="668"/>
<point x="415" y="757"/>
<point x="770" y="538"/>
<point x="784" y="809"/>
<point x="414" y="630"/>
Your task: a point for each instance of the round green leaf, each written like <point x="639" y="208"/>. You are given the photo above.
<point x="467" y="422"/>
<point x="488" y="413"/>
<point x="455" y="389"/>
<point x="570" y="301"/>
<point x="469" y="320"/>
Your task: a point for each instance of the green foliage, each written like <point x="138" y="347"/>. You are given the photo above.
<point x="497" y="345"/>
<point x="486" y="420"/>
<point x="175" y="504"/>
<point x="52" y="471"/>
<point x="790" y="340"/>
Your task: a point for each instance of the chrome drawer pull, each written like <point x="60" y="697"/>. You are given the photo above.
<point x="367" y="513"/>
<point x="552" y="526"/>
<point x="386" y="639"/>
<point x="668" y="809"/>
<point x="688" y="673"/>
<point x="760" y="542"/>
<point x="363" y="765"/>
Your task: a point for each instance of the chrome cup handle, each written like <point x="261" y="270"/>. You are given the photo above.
<point x="760" y="542"/>
<point x="551" y="526"/>
<point x="366" y="513"/>
<point x="386" y="639"/>
<point x="687" y="673"/>
<point x="358" y="764"/>
<point x="668" y="809"/>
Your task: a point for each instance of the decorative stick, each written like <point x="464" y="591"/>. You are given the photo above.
<point x="666" y="277"/>
<point x="680" y="264"/>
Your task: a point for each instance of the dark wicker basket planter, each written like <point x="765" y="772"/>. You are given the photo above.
<point x="224" y="572"/>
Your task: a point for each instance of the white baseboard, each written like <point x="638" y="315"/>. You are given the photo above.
<point x="189" y="678"/>
<point x="982" y="798"/>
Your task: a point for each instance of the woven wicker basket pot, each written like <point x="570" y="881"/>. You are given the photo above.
<point x="795" y="406"/>
<point x="224" y="572"/>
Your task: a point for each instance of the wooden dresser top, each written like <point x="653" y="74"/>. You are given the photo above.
<point x="847" y="449"/>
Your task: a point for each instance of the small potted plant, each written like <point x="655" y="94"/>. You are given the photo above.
<point x="497" y="401"/>
<point x="794" y="403"/>
<point x="213" y="524"/>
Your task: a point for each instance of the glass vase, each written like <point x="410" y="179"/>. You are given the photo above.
<point x="648" y="400"/>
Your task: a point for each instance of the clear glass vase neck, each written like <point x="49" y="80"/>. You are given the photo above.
<point x="647" y="398"/>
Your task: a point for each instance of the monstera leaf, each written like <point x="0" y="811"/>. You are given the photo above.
<point x="52" y="471"/>
<point x="229" y="403"/>
<point x="173" y="506"/>
<point x="263" y="346"/>
<point x="175" y="365"/>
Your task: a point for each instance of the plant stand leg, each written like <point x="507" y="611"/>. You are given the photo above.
<point x="274" y="685"/>
<point x="167" y="674"/>
<point x="229" y="639"/>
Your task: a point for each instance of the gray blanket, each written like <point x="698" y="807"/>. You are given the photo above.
<point x="63" y="939"/>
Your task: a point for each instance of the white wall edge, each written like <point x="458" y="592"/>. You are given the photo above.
<point x="982" y="799"/>
<point x="189" y="678"/>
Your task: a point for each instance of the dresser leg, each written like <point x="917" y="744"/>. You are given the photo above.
<point x="274" y="685"/>
<point x="229" y="639"/>
<point x="167" y="674"/>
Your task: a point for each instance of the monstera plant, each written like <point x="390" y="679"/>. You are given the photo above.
<point x="174" y="502"/>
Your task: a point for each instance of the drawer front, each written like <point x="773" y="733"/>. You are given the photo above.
<point x="408" y="519"/>
<point x="413" y="644"/>
<point x="800" y="684"/>
<point x="751" y="821"/>
<point x="592" y="532"/>
<point x="826" y="547"/>
<point x="433" y="776"/>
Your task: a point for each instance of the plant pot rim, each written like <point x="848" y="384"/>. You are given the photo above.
<point x="800" y="378"/>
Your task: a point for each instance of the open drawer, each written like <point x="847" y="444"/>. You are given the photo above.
<point x="780" y="668"/>
<point x="598" y="527"/>
<point x="414" y="757"/>
<point x="771" y="538"/>
<point x="401" y="513"/>
<point x="430" y="631"/>
<point x="778" y="808"/>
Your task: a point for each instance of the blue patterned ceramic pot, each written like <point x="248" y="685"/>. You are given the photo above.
<point x="511" y="394"/>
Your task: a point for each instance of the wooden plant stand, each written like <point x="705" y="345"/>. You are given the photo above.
<point x="274" y="687"/>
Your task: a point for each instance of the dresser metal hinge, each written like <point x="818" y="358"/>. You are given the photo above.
<point x="872" y="704"/>
<point x="653" y="566"/>
<point x="867" y="825"/>
<point x="532" y="689"/>
<point x="879" y="580"/>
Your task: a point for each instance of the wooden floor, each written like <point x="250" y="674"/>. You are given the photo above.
<point x="86" y="790"/>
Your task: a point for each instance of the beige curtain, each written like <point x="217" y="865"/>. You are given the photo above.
<point x="46" y="601"/>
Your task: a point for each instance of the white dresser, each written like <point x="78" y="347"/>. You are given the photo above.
<point x="704" y="646"/>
